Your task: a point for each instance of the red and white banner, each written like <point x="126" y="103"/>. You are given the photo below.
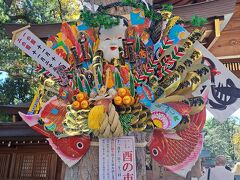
<point x="30" y="44"/>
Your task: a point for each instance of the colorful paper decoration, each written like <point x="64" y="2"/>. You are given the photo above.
<point x="117" y="76"/>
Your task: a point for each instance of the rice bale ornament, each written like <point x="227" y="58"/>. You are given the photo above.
<point x="125" y="75"/>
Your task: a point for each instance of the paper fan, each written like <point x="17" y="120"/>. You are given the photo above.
<point x="164" y="116"/>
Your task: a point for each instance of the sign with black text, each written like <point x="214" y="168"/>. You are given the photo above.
<point x="40" y="52"/>
<point x="223" y="86"/>
<point x="117" y="158"/>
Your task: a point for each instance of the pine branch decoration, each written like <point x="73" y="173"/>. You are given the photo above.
<point x="198" y="21"/>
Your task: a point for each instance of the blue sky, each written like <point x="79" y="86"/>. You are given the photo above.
<point x="3" y="75"/>
<point x="236" y="114"/>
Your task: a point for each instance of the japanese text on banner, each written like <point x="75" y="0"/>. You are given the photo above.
<point x="117" y="158"/>
<point x="40" y="52"/>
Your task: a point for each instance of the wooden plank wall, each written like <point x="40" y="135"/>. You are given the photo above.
<point x="229" y="42"/>
<point x="37" y="162"/>
<point x="233" y="65"/>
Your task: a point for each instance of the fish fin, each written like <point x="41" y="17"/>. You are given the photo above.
<point x="31" y="120"/>
<point x="48" y="102"/>
<point x="174" y="136"/>
<point x="66" y="159"/>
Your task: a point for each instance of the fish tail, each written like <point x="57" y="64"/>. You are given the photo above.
<point x="31" y="120"/>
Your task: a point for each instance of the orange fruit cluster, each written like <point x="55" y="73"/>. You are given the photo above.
<point x="81" y="101"/>
<point x="124" y="97"/>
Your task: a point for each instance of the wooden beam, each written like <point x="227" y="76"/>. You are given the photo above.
<point x="212" y="8"/>
<point x="18" y="130"/>
<point x="217" y="27"/>
<point x="229" y="57"/>
<point x="43" y="31"/>
<point x="17" y="32"/>
<point x="13" y="109"/>
<point x="213" y="37"/>
<point x="228" y="44"/>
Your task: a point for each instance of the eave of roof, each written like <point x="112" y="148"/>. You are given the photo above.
<point x="43" y="31"/>
<point x="211" y="8"/>
<point x="14" y="109"/>
<point x="18" y="129"/>
<point x="208" y="9"/>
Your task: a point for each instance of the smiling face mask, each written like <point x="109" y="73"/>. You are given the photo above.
<point x="111" y="40"/>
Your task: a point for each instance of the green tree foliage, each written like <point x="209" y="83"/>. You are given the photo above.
<point x="21" y="80"/>
<point x="15" y="90"/>
<point x="218" y="137"/>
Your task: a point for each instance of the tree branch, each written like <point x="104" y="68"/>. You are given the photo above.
<point x="23" y="16"/>
<point x="60" y="7"/>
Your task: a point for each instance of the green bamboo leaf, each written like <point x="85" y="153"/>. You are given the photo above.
<point x="125" y="121"/>
<point x="137" y="44"/>
<point x="88" y="89"/>
<point x="115" y="80"/>
<point x="79" y="83"/>
<point x="90" y="51"/>
<point x="132" y="87"/>
<point x="99" y="76"/>
<point x="118" y="80"/>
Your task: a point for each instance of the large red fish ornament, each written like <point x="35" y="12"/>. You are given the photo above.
<point x="70" y="149"/>
<point x="175" y="153"/>
<point x="199" y="119"/>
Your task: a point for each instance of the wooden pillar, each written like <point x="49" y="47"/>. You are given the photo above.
<point x="14" y="118"/>
<point x="140" y="138"/>
<point x="157" y="171"/>
<point x="88" y="167"/>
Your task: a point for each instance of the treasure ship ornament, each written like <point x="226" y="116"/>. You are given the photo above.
<point x="127" y="74"/>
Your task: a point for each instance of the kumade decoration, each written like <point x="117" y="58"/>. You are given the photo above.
<point x="129" y="76"/>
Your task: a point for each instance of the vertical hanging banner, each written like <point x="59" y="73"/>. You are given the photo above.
<point x="224" y="87"/>
<point x="40" y="52"/>
<point x="117" y="158"/>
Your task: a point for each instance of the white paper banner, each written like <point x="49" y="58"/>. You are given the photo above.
<point x="117" y="158"/>
<point x="224" y="90"/>
<point x="39" y="51"/>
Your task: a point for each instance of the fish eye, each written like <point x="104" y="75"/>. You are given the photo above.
<point x="79" y="145"/>
<point x="155" y="152"/>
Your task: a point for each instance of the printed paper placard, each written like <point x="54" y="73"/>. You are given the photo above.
<point x="117" y="158"/>
<point x="40" y="52"/>
<point x="224" y="87"/>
